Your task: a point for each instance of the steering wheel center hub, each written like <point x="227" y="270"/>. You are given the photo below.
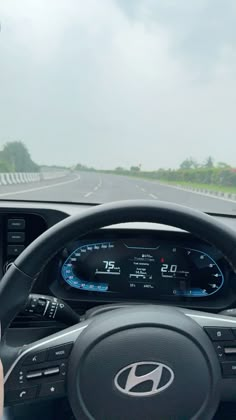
<point x="143" y="362"/>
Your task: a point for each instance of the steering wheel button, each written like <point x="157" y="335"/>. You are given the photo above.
<point x="229" y="368"/>
<point x="63" y="369"/>
<point x="35" y="358"/>
<point x="21" y="394"/>
<point x="234" y="329"/>
<point x="230" y="350"/>
<point x="60" y="352"/>
<point x="34" y="375"/>
<point x="220" y="334"/>
<point x="219" y="350"/>
<point x="51" y="371"/>
<point x="52" y="389"/>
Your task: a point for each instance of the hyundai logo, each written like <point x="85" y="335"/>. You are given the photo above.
<point x="144" y="378"/>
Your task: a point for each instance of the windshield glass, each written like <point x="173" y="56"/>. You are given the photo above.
<point x="103" y="100"/>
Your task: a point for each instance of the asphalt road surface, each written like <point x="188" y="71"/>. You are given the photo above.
<point x="99" y="188"/>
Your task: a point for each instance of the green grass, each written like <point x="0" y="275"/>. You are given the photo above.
<point x="211" y="187"/>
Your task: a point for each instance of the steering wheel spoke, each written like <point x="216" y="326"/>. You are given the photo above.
<point x="222" y="332"/>
<point x="40" y="369"/>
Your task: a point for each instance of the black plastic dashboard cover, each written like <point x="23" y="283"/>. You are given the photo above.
<point x="32" y="261"/>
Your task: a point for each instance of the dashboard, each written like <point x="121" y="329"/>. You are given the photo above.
<point x="134" y="262"/>
<point x="116" y="265"/>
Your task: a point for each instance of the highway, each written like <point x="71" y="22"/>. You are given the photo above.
<point x="91" y="187"/>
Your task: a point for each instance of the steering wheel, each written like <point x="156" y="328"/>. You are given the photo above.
<point x="140" y="362"/>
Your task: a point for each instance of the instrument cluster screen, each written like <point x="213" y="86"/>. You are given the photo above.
<point x="143" y="268"/>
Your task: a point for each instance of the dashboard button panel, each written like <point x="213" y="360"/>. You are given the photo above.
<point x="16" y="224"/>
<point x="20" y="228"/>
<point x="14" y="250"/>
<point x="16" y="237"/>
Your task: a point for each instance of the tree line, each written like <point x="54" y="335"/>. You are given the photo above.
<point x="190" y="170"/>
<point x="207" y="172"/>
<point x="15" y="157"/>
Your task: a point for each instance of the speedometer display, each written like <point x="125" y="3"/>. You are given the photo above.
<point x="142" y="268"/>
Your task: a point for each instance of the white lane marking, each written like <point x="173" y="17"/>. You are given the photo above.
<point x="143" y="189"/>
<point x="153" y="196"/>
<point x="95" y="189"/>
<point x="45" y="187"/>
<point x="88" y="194"/>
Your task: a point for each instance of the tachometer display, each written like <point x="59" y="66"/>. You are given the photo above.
<point x="142" y="268"/>
<point x="191" y="273"/>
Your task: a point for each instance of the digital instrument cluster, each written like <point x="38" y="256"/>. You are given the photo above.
<point x="143" y="268"/>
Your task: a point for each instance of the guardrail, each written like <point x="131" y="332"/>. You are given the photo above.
<point x="203" y="191"/>
<point x="9" y="178"/>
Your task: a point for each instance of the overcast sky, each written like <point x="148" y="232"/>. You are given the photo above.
<point x="119" y="82"/>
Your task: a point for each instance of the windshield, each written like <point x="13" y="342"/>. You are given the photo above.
<point x="118" y="99"/>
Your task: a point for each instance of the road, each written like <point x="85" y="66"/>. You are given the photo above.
<point x="99" y="188"/>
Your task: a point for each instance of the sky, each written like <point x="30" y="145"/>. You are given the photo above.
<point x="110" y="83"/>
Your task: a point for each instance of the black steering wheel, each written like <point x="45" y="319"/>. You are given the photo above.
<point x="141" y="362"/>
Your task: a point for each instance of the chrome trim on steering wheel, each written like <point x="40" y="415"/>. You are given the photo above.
<point x="38" y="345"/>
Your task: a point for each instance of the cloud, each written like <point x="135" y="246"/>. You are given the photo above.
<point x="110" y="83"/>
